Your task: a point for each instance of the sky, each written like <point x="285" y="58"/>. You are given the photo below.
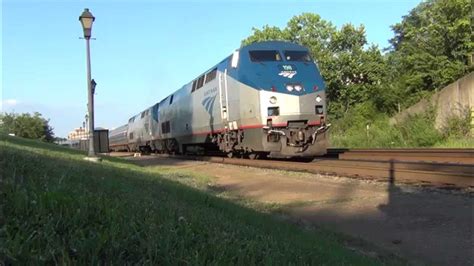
<point x="143" y="50"/>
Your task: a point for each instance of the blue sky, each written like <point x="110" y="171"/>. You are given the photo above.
<point x="144" y="50"/>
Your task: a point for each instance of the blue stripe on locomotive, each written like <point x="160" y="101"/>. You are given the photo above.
<point x="265" y="75"/>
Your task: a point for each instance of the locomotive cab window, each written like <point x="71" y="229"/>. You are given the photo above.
<point x="211" y="75"/>
<point x="264" y="55"/>
<point x="171" y="99"/>
<point x="301" y="56"/>
<point x="194" y="85"/>
<point x="200" y="82"/>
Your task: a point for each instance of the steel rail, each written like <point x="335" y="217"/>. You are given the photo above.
<point x="460" y="156"/>
<point x="444" y="175"/>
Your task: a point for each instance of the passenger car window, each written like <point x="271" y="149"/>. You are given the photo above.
<point x="264" y="55"/>
<point x="301" y="56"/>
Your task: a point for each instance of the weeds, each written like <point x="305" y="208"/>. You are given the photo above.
<point x="364" y="127"/>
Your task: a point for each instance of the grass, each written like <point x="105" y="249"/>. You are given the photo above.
<point x="452" y="142"/>
<point x="58" y="208"/>
<point x="364" y="127"/>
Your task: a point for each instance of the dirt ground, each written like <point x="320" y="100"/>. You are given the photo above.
<point x="426" y="226"/>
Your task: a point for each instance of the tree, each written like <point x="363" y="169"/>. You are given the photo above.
<point x="431" y="47"/>
<point x="267" y="33"/>
<point x="27" y="126"/>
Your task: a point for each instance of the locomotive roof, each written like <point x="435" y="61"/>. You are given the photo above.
<point x="273" y="45"/>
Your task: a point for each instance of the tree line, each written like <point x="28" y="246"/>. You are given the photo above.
<point x="431" y="47"/>
<point x="27" y="126"/>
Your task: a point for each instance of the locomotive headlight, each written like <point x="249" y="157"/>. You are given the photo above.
<point x="289" y="87"/>
<point x="273" y="100"/>
<point x="298" y="87"/>
<point x="318" y="99"/>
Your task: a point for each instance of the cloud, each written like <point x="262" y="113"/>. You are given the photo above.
<point x="8" y="103"/>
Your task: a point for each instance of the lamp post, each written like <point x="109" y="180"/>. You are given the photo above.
<point x="86" y="125"/>
<point x="86" y="20"/>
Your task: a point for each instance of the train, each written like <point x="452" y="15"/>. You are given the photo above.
<point x="266" y="99"/>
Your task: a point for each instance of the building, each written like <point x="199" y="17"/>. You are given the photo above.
<point x="78" y="134"/>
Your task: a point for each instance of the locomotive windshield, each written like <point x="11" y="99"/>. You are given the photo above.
<point x="297" y="56"/>
<point x="264" y="55"/>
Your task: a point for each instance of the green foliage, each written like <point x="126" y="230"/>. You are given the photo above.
<point x="458" y="126"/>
<point x="267" y="33"/>
<point x="464" y="143"/>
<point x="431" y="46"/>
<point x="27" y="126"/>
<point x="419" y="131"/>
<point x="61" y="209"/>
<point x="365" y="127"/>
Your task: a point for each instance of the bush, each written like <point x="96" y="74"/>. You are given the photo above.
<point x="365" y="127"/>
<point x="27" y="126"/>
<point x="458" y="126"/>
<point x="418" y="130"/>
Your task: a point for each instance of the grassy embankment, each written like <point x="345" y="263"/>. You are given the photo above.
<point x="364" y="127"/>
<point x="58" y="208"/>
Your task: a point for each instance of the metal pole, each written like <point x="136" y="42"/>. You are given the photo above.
<point x="91" y="101"/>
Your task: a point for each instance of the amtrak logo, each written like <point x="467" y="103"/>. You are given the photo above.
<point x="208" y="103"/>
<point x="287" y="71"/>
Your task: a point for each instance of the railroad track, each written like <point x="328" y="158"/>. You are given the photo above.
<point x="440" y="175"/>
<point x="460" y="156"/>
<point x="448" y="168"/>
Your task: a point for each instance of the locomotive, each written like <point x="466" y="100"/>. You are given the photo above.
<point x="265" y="99"/>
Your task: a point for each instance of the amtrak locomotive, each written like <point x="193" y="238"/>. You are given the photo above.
<point x="266" y="99"/>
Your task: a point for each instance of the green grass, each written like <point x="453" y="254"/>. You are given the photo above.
<point x="58" y="208"/>
<point x="452" y="142"/>
<point x="364" y="127"/>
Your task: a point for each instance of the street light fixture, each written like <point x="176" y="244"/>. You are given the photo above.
<point x="87" y="19"/>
